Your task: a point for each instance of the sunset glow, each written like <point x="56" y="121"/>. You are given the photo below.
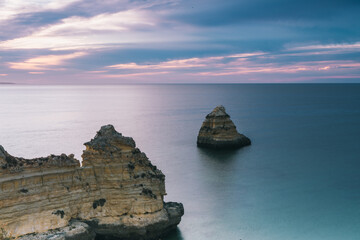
<point x="125" y="41"/>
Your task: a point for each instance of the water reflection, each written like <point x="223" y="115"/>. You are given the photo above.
<point x="218" y="155"/>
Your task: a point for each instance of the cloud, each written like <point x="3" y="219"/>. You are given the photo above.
<point x="184" y="63"/>
<point x="81" y="32"/>
<point x="190" y="63"/>
<point x="48" y="62"/>
<point x="343" y="46"/>
<point x="100" y="71"/>
<point x="10" y="9"/>
<point x="328" y="77"/>
<point x="180" y="39"/>
<point x="104" y="30"/>
<point x="325" y="21"/>
<point x="3" y="74"/>
<point x="36" y="72"/>
<point x="253" y="67"/>
<point x="121" y="21"/>
<point x="127" y="75"/>
<point x="173" y="64"/>
<point x="249" y="64"/>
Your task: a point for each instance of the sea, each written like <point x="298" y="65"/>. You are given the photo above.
<point x="300" y="178"/>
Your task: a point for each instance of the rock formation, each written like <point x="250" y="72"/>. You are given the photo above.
<point x="117" y="193"/>
<point x="218" y="131"/>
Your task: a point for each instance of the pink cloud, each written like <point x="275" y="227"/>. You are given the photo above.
<point x="173" y="64"/>
<point x="133" y="74"/>
<point x="96" y="71"/>
<point x="234" y="65"/>
<point x="48" y="62"/>
<point x="309" y="78"/>
<point x="185" y="63"/>
<point x="36" y="72"/>
<point x="248" y="67"/>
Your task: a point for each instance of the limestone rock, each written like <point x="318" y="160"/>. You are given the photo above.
<point x="218" y="131"/>
<point x="11" y="164"/>
<point x="116" y="193"/>
<point x="75" y="231"/>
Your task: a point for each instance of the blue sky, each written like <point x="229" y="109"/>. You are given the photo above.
<point x="179" y="41"/>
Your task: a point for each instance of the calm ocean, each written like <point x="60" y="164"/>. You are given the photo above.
<point x="299" y="180"/>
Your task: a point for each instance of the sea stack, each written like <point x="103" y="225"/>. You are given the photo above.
<point x="219" y="132"/>
<point x="116" y="194"/>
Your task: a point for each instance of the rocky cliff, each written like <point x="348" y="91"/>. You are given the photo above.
<point x="117" y="193"/>
<point x="219" y="131"/>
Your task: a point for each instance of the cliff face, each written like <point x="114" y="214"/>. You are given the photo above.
<point x="116" y="193"/>
<point x="218" y="131"/>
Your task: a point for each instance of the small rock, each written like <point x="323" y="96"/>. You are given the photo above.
<point x="218" y="131"/>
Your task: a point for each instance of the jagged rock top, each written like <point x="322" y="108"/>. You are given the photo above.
<point x="18" y="164"/>
<point x="219" y="111"/>
<point x="107" y="136"/>
<point x="110" y="146"/>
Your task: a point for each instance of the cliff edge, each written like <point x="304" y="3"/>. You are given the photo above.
<point x="218" y="131"/>
<point x="117" y="193"/>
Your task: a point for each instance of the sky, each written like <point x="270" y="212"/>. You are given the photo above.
<point x="179" y="41"/>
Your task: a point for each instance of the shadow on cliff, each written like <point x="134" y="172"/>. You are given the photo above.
<point x="173" y="235"/>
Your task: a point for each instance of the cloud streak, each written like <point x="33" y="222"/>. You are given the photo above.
<point x="179" y="40"/>
<point x="130" y="75"/>
<point x="10" y="9"/>
<point x="344" y="46"/>
<point x="84" y="33"/>
<point x="48" y="62"/>
<point x="242" y="64"/>
<point x="106" y="30"/>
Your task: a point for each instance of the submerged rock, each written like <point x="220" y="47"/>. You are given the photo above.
<point x="218" y="131"/>
<point x="117" y="193"/>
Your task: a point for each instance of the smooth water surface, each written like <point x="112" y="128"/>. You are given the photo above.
<point x="299" y="180"/>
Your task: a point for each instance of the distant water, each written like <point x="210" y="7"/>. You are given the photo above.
<point x="299" y="180"/>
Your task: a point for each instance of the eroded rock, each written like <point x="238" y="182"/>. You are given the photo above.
<point x="218" y="131"/>
<point x="117" y="192"/>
